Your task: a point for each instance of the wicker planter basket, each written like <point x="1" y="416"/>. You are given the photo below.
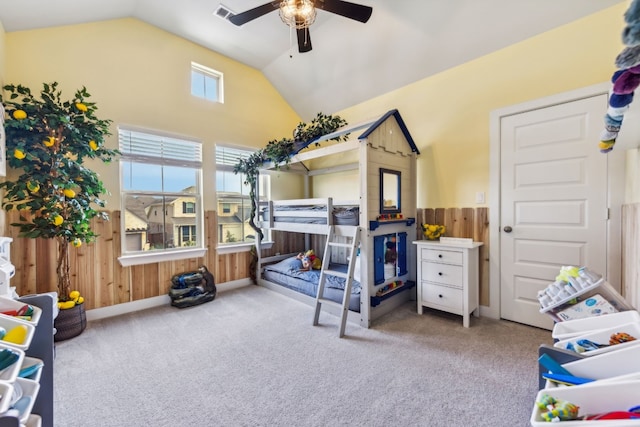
<point x="70" y="323"/>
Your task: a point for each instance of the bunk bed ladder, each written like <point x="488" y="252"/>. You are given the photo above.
<point x="353" y="239"/>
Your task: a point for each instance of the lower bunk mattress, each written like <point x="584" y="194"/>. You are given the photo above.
<point x="288" y="274"/>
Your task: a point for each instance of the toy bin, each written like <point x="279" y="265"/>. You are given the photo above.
<point x="31" y="368"/>
<point x="602" y="337"/>
<point x="571" y="328"/>
<point x="594" y="300"/>
<point x="25" y="393"/>
<point x="606" y="365"/>
<point x="10" y="373"/>
<point x="594" y="399"/>
<point x="9" y="305"/>
<point x="8" y="324"/>
<point x="6" y="391"/>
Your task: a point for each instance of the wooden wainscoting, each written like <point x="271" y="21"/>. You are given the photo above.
<point x="97" y="274"/>
<point x="463" y="222"/>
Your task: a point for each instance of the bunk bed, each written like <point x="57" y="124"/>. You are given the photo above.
<point x="381" y="283"/>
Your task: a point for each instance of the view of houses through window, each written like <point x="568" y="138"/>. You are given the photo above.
<point x="160" y="187"/>
<point x="234" y="202"/>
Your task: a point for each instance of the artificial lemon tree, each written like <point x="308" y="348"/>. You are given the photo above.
<point x="47" y="142"/>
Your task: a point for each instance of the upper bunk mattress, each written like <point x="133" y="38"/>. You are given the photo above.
<point x="341" y="215"/>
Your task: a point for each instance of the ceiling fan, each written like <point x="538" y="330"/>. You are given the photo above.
<point x="300" y="14"/>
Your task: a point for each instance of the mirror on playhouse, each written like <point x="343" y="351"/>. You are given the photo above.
<point x="389" y="191"/>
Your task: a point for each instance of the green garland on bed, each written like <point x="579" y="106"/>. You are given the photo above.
<point x="280" y="151"/>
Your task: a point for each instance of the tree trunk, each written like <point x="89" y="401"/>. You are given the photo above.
<point x="64" y="281"/>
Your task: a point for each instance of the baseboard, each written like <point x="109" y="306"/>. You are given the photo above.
<point x="133" y="306"/>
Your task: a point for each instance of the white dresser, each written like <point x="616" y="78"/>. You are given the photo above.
<point x="448" y="277"/>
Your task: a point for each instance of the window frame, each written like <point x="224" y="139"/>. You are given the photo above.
<point x="129" y="258"/>
<point x="208" y="73"/>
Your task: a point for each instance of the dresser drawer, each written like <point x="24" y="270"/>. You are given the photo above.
<point x="443" y="297"/>
<point x="438" y="255"/>
<point x="442" y="273"/>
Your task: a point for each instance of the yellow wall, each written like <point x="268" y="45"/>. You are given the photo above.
<point x="2" y="54"/>
<point x="448" y="114"/>
<point x="140" y="75"/>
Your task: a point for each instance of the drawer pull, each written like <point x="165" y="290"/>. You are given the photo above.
<point x="440" y="274"/>
<point x="440" y="296"/>
<point x="439" y="255"/>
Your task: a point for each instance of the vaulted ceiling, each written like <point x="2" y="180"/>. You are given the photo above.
<point x="351" y="62"/>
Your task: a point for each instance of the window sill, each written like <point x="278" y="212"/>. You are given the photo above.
<point x="242" y="247"/>
<point x="153" y="257"/>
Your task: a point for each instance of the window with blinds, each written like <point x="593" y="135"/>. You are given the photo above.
<point x="160" y="180"/>
<point x="233" y="199"/>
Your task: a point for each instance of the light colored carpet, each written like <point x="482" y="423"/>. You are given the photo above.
<point x="252" y="358"/>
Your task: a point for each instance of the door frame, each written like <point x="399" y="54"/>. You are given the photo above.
<point x="615" y="188"/>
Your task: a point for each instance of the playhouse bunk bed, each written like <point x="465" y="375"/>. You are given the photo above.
<point x="384" y="273"/>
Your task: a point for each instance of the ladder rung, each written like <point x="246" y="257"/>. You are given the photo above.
<point x="336" y="273"/>
<point x="340" y="245"/>
<point x="330" y="302"/>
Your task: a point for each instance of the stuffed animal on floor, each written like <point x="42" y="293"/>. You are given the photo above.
<point x="309" y="261"/>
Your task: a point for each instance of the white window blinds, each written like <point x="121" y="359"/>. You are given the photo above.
<point x="159" y="149"/>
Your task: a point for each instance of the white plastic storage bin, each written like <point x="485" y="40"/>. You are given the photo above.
<point x="8" y="304"/>
<point x="29" y="392"/>
<point x="8" y="324"/>
<point x="593" y="399"/>
<point x="602" y="337"/>
<point x="568" y="308"/>
<point x="571" y="328"/>
<point x="10" y="373"/>
<point x="606" y="365"/>
<point x="6" y="391"/>
<point x="33" y="366"/>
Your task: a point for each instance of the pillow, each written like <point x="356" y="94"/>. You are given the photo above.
<point x="292" y="263"/>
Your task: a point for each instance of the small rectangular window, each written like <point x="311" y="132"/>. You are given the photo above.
<point x="206" y="83"/>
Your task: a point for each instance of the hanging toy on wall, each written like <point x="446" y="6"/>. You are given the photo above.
<point x="625" y="80"/>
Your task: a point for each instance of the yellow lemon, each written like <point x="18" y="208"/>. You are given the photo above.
<point x="76" y="243"/>
<point x="80" y="300"/>
<point x="69" y="193"/>
<point x="67" y="304"/>
<point x="74" y="294"/>
<point x="81" y="107"/>
<point x="93" y="145"/>
<point x="49" y="141"/>
<point x="33" y="187"/>
<point x="19" y="114"/>
<point x="17" y="334"/>
<point x="19" y="154"/>
<point x="57" y="220"/>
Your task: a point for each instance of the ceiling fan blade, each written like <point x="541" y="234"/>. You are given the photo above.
<point x="256" y="12"/>
<point x="354" y="11"/>
<point x="304" y="40"/>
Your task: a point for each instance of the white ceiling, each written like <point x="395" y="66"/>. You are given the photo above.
<point x="404" y="41"/>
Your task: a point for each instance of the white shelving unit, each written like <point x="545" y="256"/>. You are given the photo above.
<point x="41" y="348"/>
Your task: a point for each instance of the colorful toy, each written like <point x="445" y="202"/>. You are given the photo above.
<point x="309" y="261"/>
<point x="557" y="410"/>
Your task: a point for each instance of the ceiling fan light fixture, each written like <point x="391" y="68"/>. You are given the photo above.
<point x="297" y="13"/>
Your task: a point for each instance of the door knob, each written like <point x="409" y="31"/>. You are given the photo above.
<point x="508" y="229"/>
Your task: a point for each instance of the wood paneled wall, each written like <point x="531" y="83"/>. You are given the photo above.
<point x="463" y="222"/>
<point x="98" y="275"/>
